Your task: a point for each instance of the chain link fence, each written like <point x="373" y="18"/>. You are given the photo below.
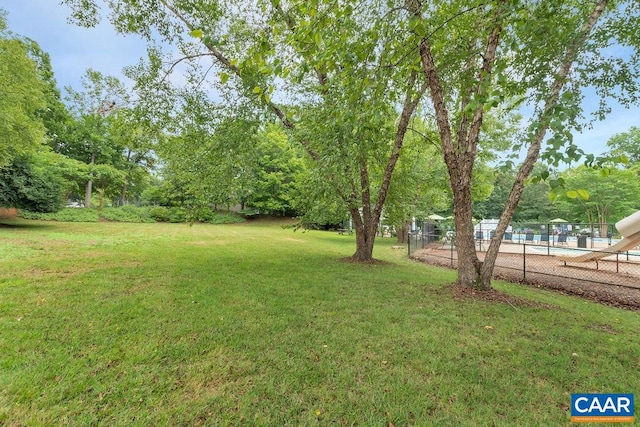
<point x="571" y="253"/>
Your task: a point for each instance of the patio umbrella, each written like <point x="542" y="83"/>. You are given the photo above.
<point x="558" y="220"/>
<point x="436" y="217"/>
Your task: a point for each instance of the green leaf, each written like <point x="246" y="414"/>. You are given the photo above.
<point x="224" y="78"/>
<point x="198" y="34"/>
<point x="572" y="194"/>
<point x="583" y="194"/>
<point x="257" y="90"/>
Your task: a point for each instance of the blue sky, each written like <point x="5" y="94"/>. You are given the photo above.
<point x="74" y="49"/>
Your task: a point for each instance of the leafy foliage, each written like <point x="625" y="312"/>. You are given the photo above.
<point x="21" y="96"/>
<point x="133" y="214"/>
<point x="337" y="92"/>
<point x="626" y="144"/>
<point x="612" y="196"/>
<point x="275" y="175"/>
<point x="64" y="215"/>
<point x="24" y="184"/>
<point x="419" y="185"/>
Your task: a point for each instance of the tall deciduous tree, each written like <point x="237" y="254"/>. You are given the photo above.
<point x="501" y="52"/>
<point x="21" y="96"/>
<point x="277" y="171"/>
<point x="349" y="61"/>
<point x="54" y="114"/>
<point x="209" y="159"/>
<point x="89" y="140"/>
<point x="137" y="137"/>
<point x="626" y="144"/>
<point x="613" y="194"/>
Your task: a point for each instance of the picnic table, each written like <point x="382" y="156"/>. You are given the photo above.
<point x="345" y="231"/>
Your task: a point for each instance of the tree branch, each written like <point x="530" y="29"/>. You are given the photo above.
<point x="411" y="102"/>
<point x="174" y="64"/>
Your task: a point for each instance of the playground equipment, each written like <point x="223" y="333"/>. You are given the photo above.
<point x="629" y="227"/>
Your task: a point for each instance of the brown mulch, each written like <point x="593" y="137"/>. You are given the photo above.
<point x="604" y="285"/>
<point x="491" y="295"/>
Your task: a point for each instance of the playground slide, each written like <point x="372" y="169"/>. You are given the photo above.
<point x="629" y="227"/>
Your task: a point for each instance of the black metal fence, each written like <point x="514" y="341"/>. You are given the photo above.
<point x="533" y="252"/>
<point x="543" y="234"/>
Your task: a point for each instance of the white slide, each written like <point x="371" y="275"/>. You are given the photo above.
<point x="629" y="227"/>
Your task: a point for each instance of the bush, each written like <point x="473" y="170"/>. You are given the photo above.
<point x="226" y="218"/>
<point x="64" y="215"/>
<point x="176" y="214"/>
<point x="135" y="214"/>
<point x="159" y="213"/>
<point x="126" y="214"/>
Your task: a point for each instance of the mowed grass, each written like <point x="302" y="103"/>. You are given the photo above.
<point x="252" y="324"/>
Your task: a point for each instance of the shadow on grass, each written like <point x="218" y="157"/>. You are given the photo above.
<point x="23" y="224"/>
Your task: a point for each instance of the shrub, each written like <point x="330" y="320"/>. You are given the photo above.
<point x="159" y="213"/>
<point x="226" y="218"/>
<point x="64" y="215"/>
<point x="126" y="214"/>
<point x="176" y="214"/>
<point x="135" y="214"/>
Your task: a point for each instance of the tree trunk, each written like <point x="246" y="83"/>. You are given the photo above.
<point x="365" y="226"/>
<point x="364" y="245"/>
<point x="402" y="233"/>
<point x="88" y="186"/>
<point x="123" y="192"/>
<point x="87" y="194"/>
<point x="469" y="266"/>
<point x="100" y="198"/>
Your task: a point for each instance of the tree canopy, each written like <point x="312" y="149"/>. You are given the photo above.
<point x="21" y="96"/>
<point x="626" y="144"/>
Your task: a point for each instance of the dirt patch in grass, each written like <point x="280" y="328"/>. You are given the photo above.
<point x="491" y="295"/>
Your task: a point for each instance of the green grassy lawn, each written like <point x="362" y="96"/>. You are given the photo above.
<point x="252" y="324"/>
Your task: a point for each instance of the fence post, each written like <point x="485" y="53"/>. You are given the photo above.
<point x="451" y="244"/>
<point x="549" y="237"/>
<point x="524" y="262"/>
